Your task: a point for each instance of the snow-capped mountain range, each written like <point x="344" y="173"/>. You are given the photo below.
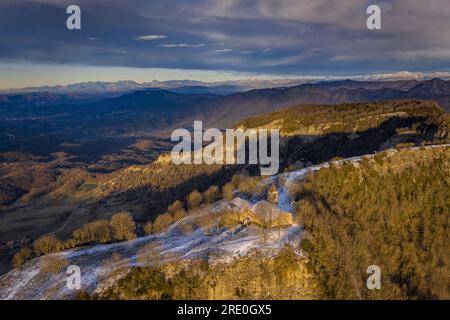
<point x="220" y="87"/>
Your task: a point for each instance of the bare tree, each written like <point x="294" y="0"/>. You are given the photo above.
<point x="150" y="254"/>
<point x="194" y="200"/>
<point x="122" y="226"/>
<point x="22" y="256"/>
<point x="46" y="245"/>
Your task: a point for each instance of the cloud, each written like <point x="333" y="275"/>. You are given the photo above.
<point x="151" y="37"/>
<point x="223" y="50"/>
<point x="181" y="45"/>
<point x="265" y="36"/>
<point x="432" y="53"/>
<point x="285" y="61"/>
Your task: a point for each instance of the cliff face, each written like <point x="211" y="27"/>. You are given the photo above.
<point x="282" y="277"/>
<point x="255" y="276"/>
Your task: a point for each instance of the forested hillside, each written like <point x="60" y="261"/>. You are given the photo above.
<point x="319" y="133"/>
<point x="391" y="211"/>
<point x="356" y="117"/>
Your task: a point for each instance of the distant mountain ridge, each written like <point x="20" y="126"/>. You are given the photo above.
<point x="99" y="87"/>
<point x="321" y="92"/>
<point x="105" y="88"/>
<point x="41" y="122"/>
<point x="226" y="111"/>
<point x="230" y="86"/>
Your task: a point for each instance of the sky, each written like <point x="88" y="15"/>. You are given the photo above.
<point x="216" y="40"/>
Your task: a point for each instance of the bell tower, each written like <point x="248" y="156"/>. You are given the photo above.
<point x="272" y="195"/>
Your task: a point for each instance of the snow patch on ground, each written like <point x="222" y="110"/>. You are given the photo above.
<point x="30" y="283"/>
